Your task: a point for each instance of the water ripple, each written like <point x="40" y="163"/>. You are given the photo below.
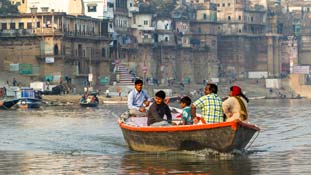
<point x="74" y="140"/>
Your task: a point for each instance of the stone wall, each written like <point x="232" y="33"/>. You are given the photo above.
<point x="165" y="63"/>
<point x="240" y="54"/>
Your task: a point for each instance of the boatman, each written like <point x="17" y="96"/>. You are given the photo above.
<point x="138" y="100"/>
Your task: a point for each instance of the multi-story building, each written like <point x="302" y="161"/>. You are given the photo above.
<point x="54" y="43"/>
<point x="142" y="28"/>
<point x="72" y="7"/>
<point x="238" y="17"/>
<point x="241" y="37"/>
<point x="204" y="30"/>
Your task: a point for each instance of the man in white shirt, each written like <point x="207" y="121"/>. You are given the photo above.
<point x="138" y="100"/>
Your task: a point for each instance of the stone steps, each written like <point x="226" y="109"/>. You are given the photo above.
<point x="125" y="78"/>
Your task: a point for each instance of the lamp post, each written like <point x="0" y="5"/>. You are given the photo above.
<point x="145" y="69"/>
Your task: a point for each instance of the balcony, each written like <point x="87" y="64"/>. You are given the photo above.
<point x="147" y="41"/>
<point x="47" y="31"/>
<point x="143" y="27"/>
<point x="16" y="32"/>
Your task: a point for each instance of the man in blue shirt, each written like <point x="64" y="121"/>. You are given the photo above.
<point x="138" y="100"/>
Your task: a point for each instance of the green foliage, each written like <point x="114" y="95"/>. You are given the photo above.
<point x="160" y="7"/>
<point x="7" y="8"/>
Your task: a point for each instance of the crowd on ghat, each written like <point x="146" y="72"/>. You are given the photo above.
<point x="213" y="108"/>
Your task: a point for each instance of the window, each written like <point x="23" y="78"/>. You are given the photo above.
<point x="240" y="18"/>
<point x="103" y="52"/>
<point x="64" y="50"/>
<point x="145" y="22"/>
<point x="110" y="5"/>
<point x="12" y="25"/>
<point x="38" y="24"/>
<point x="229" y="4"/>
<point x="199" y="30"/>
<point x="125" y="23"/>
<point x="252" y="19"/>
<point x="204" y="16"/>
<point x="4" y="26"/>
<point x="55" y="49"/>
<point x="223" y="4"/>
<point x="29" y="26"/>
<point x="91" y="8"/>
<point x="21" y="25"/>
<point x="229" y="18"/>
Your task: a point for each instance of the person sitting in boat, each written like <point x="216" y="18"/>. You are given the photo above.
<point x="83" y="98"/>
<point x="157" y="111"/>
<point x="138" y="100"/>
<point x="1" y="103"/>
<point x="94" y="98"/>
<point x="235" y="106"/>
<point x="210" y="105"/>
<point x="186" y="118"/>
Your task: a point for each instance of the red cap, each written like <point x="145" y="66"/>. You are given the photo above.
<point x="236" y="90"/>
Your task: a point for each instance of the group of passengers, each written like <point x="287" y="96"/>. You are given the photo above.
<point x="213" y="108"/>
<point x="89" y="98"/>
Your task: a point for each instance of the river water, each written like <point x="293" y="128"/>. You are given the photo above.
<point x="74" y="140"/>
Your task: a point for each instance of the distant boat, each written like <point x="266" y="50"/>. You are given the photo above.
<point x="222" y="137"/>
<point x="7" y="104"/>
<point x="29" y="98"/>
<point x="89" y="100"/>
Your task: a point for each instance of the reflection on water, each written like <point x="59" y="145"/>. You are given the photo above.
<point x="171" y="163"/>
<point x="74" y="140"/>
<point x="43" y="163"/>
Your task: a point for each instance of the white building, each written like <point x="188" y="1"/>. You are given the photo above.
<point x="72" y="7"/>
<point x="100" y="9"/>
<point x="142" y="28"/>
<point x="95" y="8"/>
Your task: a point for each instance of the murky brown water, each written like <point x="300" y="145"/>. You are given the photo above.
<point x="73" y="140"/>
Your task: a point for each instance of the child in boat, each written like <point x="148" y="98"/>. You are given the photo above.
<point x="157" y="111"/>
<point x="186" y="118"/>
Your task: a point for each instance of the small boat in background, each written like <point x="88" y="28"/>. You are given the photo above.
<point x="29" y="98"/>
<point x="89" y="100"/>
<point x="7" y="104"/>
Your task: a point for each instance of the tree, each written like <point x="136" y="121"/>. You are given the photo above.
<point x="160" y="7"/>
<point x="164" y="7"/>
<point x="6" y="8"/>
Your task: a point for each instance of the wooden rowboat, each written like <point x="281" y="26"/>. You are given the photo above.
<point x="8" y="104"/>
<point x="89" y="100"/>
<point x="89" y="104"/>
<point x="223" y="137"/>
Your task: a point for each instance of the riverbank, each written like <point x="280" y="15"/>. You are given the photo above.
<point x="75" y="99"/>
<point x="255" y="90"/>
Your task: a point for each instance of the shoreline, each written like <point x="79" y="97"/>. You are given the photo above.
<point x="75" y="99"/>
<point x="62" y="100"/>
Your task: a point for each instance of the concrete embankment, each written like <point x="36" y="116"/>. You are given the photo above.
<point x="74" y="99"/>
<point x="252" y="88"/>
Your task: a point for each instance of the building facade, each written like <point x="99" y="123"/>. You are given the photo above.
<point x="54" y="44"/>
